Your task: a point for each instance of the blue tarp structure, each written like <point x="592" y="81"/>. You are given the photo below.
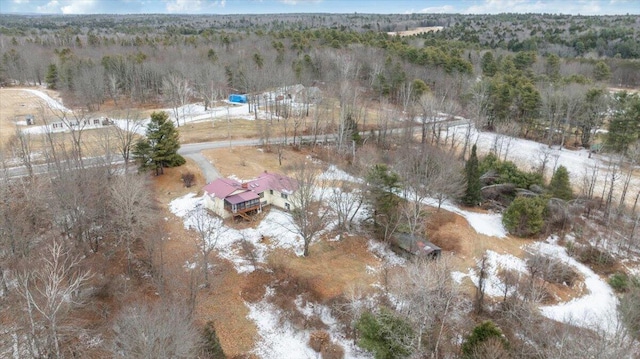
<point x="238" y="98"/>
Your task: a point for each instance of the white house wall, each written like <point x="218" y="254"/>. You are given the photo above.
<point x="276" y="199"/>
<point x="217" y="206"/>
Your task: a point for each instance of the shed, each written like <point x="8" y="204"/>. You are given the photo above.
<point x="237" y="98"/>
<point x="415" y="245"/>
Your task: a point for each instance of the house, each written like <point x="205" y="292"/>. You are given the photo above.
<point x="228" y="197"/>
<point x="415" y="246"/>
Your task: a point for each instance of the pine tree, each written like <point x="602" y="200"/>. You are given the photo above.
<point x="473" y="194"/>
<point x="488" y="64"/>
<point x="560" y="186"/>
<point x="385" y="335"/>
<point x="160" y="147"/>
<point x="52" y="77"/>
<point x="624" y="127"/>
<point x="481" y="334"/>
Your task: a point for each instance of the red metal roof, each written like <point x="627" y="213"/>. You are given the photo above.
<point x="273" y="181"/>
<point x="224" y="188"/>
<point x="241" y="197"/>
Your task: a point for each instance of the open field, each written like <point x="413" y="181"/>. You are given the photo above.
<point x="416" y="31"/>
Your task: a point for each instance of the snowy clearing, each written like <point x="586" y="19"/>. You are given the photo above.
<point x="529" y="155"/>
<point x="48" y="100"/>
<point x="596" y="310"/>
<point x="276" y="226"/>
<point x="280" y="339"/>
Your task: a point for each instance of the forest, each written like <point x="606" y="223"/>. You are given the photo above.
<point x="511" y="142"/>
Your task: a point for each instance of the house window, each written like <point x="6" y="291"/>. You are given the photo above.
<point x="287" y="206"/>
<point x="284" y="195"/>
<point x="261" y="194"/>
<point x="270" y="191"/>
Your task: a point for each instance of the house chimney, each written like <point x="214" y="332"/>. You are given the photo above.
<point x="245" y="185"/>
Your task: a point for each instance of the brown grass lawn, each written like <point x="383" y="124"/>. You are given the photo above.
<point x="249" y="162"/>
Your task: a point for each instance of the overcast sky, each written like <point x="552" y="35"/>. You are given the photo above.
<point x="583" y="7"/>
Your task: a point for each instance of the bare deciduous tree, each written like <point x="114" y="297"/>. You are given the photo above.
<point x="132" y="211"/>
<point x="49" y="291"/>
<point x="161" y="330"/>
<point x="345" y="200"/>
<point x="426" y="294"/>
<point x="126" y="135"/>
<point x="209" y="230"/>
<point x="308" y="215"/>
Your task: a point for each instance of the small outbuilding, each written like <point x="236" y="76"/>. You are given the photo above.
<point x="415" y="246"/>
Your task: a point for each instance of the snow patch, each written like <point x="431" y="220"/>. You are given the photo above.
<point x="333" y="173"/>
<point x="382" y="251"/>
<point x="245" y="248"/>
<point x="594" y="310"/>
<point x="280" y="339"/>
<point x="48" y="100"/>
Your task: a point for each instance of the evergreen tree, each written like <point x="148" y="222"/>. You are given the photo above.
<point x="473" y="194"/>
<point x="211" y="343"/>
<point x="552" y="67"/>
<point x="560" y="186"/>
<point x="481" y="334"/>
<point x="489" y="64"/>
<point x="52" y="77"/>
<point x="383" y="185"/>
<point x="601" y="72"/>
<point x="384" y="334"/>
<point x="525" y="216"/>
<point x="160" y="147"/>
<point x="624" y="128"/>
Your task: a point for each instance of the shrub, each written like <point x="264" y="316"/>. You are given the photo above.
<point x="525" y="216"/>
<point x="619" y="282"/>
<point x="332" y="351"/>
<point x="560" y="186"/>
<point x="593" y="256"/>
<point x="508" y="172"/>
<point x="384" y="334"/>
<point x="211" y="343"/>
<point x="188" y="179"/>
<point x="552" y="270"/>
<point x="629" y="309"/>
<point x="318" y="340"/>
<point x="481" y="334"/>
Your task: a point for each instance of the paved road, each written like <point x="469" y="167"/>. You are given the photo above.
<point x="193" y="151"/>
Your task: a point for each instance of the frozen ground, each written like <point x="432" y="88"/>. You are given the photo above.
<point x="280" y="339"/>
<point x="594" y="310"/>
<point x="529" y="155"/>
<point x="276" y="226"/>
